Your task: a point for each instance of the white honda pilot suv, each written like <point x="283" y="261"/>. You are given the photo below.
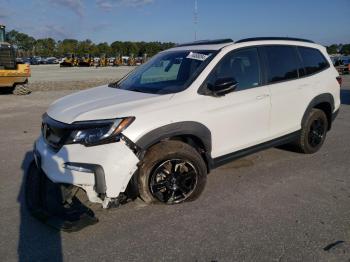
<point x="162" y="128"/>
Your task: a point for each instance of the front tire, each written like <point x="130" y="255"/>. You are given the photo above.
<point x="172" y="172"/>
<point x="313" y="133"/>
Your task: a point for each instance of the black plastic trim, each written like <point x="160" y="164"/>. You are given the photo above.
<point x="75" y="125"/>
<point x="322" y="98"/>
<point x="222" y="160"/>
<point x="177" y="129"/>
<point x="208" y="42"/>
<point x="99" y="174"/>
<point x="335" y="114"/>
<point x="273" y="38"/>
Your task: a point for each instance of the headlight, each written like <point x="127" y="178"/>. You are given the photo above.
<point x="92" y="133"/>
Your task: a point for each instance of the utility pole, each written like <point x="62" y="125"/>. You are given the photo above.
<point x="195" y="19"/>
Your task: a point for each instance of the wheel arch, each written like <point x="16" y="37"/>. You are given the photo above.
<point x="325" y="102"/>
<point x="193" y="133"/>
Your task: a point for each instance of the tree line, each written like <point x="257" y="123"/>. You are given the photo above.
<point x="339" y="49"/>
<point x="29" y="46"/>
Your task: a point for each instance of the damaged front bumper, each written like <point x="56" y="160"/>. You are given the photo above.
<point x="56" y="205"/>
<point x="102" y="171"/>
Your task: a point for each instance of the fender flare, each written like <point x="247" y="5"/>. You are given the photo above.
<point x="177" y="129"/>
<point x="322" y="98"/>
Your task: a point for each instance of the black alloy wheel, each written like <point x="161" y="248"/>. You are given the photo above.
<point x="172" y="181"/>
<point x="317" y="132"/>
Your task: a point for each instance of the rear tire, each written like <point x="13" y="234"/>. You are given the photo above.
<point x="21" y="90"/>
<point x="172" y="172"/>
<point x="313" y="133"/>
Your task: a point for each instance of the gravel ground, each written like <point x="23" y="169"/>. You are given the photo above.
<point x="275" y="205"/>
<point x="53" y="77"/>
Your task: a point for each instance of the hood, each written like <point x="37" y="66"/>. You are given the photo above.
<point x="98" y="103"/>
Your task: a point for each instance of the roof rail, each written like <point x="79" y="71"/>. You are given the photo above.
<point x="207" y="42"/>
<point x="273" y="38"/>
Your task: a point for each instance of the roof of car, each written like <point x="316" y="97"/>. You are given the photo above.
<point x="218" y="44"/>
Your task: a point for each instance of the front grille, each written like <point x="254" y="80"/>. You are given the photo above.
<point x="54" y="133"/>
<point x="7" y="58"/>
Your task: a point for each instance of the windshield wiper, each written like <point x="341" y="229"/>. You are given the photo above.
<point x="114" y="85"/>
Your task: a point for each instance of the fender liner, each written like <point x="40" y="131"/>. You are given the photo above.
<point x="322" y="98"/>
<point x="176" y="129"/>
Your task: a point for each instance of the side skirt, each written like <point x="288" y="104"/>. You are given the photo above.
<point x="222" y="160"/>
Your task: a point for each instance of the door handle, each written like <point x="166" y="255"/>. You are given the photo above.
<point x="262" y="96"/>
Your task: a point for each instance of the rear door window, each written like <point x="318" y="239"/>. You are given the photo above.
<point x="313" y="60"/>
<point x="283" y="63"/>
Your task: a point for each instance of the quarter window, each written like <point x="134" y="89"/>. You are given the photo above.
<point x="283" y="63"/>
<point x="313" y="60"/>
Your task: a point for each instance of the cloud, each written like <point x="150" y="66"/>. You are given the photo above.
<point x="101" y="26"/>
<point x="104" y="4"/>
<point x="110" y="4"/>
<point x="75" y="5"/>
<point x="53" y="31"/>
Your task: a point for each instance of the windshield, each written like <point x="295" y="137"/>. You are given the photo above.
<point x="168" y="72"/>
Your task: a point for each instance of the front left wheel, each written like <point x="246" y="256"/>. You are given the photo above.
<point x="172" y="172"/>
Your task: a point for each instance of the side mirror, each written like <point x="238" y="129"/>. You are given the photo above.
<point x="223" y="86"/>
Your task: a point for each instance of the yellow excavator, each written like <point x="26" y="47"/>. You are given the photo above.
<point x="118" y="60"/>
<point x="86" y="60"/>
<point x="69" y="61"/>
<point x="103" y="61"/>
<point x="131" y="61"/>
<point x="13" y="76"/>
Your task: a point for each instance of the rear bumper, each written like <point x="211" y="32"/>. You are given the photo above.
<point x="100" y="170"/>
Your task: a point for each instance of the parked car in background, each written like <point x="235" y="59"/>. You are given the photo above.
<point x="19" y="60"/>
<point x="51" y="60"/>
<point x="111" y="61"/>
<point x="31" y="61"/>
<point x="342" y="64"/>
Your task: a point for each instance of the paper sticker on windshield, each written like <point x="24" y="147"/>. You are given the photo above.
<point x="197" y="56"/>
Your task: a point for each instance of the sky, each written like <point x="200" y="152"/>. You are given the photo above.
<point x="324" y="21"/>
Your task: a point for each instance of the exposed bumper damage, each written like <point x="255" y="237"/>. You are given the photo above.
<point x="103" y="172"/>
<point x="56" y="204"/>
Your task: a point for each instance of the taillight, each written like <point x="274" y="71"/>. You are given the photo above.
<point x="340" y="80"/>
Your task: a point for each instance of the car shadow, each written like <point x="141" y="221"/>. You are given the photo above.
<point x="345" y="96"/>
<point x="37" y="242"/>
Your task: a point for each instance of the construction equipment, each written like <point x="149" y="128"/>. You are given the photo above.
<point x="131" y="61"/>
<point x="103" y="61"/>
<point x="86" y="61"/>
<point x="69" y="61"/>
<point x="13" y="76"/>
<point x="118" y="60"/>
